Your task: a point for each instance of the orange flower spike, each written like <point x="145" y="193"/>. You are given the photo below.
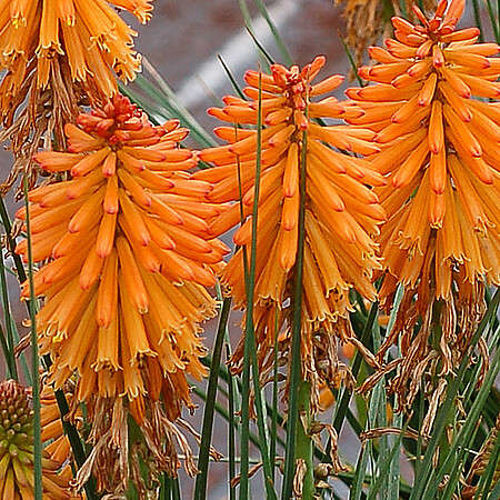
<point x="336" y="197"/>
<point x="440" y="161"/>
<point x="110" y="230"/>
<point x="57" y="54"/>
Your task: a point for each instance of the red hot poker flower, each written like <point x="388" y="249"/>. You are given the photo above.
<point x="129" y="256"/>
<point x="437" y="136"/>
<point x="341" y="212"/>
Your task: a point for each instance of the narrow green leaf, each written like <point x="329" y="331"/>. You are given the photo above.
<point x="486" y="481"/>
<point x="262" y="49"/>
<point x="477" y="18"/>
<point x="75" y="442"/>
<point x="465" y="436"/>
<point x="274" y="410"/>
<point x="493" y="21"/>
<point x="498" y="15"/>
<point x="35" y="360"/>
<point x="224" y="413"/>
<point x="378" y="415"/>
<point x="343" y="402"/>
<point x="495" y="494"/>
<point x="11" y="244"/>
<point x="447" y="407"/>
<point x="200" y="492"/>
<point x="394" y="485"/>
<point x="285" y="54"/>
<point x="176" y="489"/>
<point x="360" y="473"/>
<point x="453" y="482"/>
<point x="386" y="466"/>
<point x="231" y="385"/>
<point x="165" y="493"/>
<point x="11" y="360"/>
<point x="231" y="77"/>
<point x="264" y="57"/>
<point x="304" y="445"/>
<point x="352" y="62"/>
<point x="402" y="8"/>
<point x="5" y="350"/>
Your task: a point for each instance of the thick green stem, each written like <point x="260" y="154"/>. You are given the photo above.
<point x="304" y="444"/>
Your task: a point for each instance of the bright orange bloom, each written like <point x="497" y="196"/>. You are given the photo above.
<point x="130" y="256"/>
<point x="86" y="37"/>
<point x="17" y="450"/>
<point x="59" y="54"/>
<point x="438" y="145"/>
<point x="341" y="212"/>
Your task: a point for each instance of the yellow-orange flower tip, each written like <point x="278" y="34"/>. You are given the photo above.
<point x="142" y="9"/>
<point x="17" y="450"/>
<point x="342" y="211"/>
<point x="129" y="253"/>
<point x="89" y="37"/>
<point x="438" y="137"/>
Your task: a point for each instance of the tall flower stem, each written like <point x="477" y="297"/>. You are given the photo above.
<point x="295" y="371"/>
<point x="250" y="353"/>
<point x="208" y="417"/>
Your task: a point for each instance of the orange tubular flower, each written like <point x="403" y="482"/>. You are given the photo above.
<point x="438" y="145"/>
<point x="340" y="211"/>
<point x="59" y="54"/>
<point x="130" y="256"/>
<point x="16" y="450"/>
